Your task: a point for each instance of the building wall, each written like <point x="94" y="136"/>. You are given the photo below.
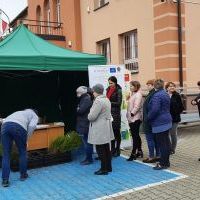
<point x="70" y="17"/>
<point x="192" y="32"/>
<point x="166" y="41"/>
<point x="118" y="17"/>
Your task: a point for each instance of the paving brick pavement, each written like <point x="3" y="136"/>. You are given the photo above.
<point x="50" y="184"/>
<point x="184" y="161"/>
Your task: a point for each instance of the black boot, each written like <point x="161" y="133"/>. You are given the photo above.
<point x="139" y="154"/>
<point x="117" y="153"/>
<point x="132" y="157"/>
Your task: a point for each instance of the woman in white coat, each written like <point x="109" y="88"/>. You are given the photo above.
<point x="100" y="129"/>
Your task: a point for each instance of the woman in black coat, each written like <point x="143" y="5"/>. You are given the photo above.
<point x="82" y="122"/>
<point x="114" y="94"/>
<point x="176" y="108"/>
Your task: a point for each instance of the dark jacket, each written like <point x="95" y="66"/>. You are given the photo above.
<point x="146" y="125"/>
<point x="198" y="103"/>
<point x="159" y="109"/>
<point x="176" y="107"/>
<point x="116" y="101"/>
<point x="83" y="109"/>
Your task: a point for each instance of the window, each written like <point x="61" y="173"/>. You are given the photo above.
<point x="47" y="15"/>
<point x="130" y="51"/>
<point x="39" y="20"/>
<point x="58" y="12"/>
<point x="103" y="48"/>
<point x="100" y="3"/>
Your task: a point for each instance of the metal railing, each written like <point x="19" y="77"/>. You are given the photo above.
<point x="43" y="27"/>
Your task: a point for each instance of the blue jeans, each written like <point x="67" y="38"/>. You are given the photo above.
<point x="10" y="132"/>
<point x="87" y="147"/>
<point x="152" y="145"/>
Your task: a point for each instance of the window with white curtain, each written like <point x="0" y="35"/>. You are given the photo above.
<point x="47" y="15"/>
<point x="130" y="51"/>
<point x="104" y="49"/>
<point x="58" y="15"/>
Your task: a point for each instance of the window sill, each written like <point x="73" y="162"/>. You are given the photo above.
<point x="101" y="6"/>
<point x="135" y="72"/>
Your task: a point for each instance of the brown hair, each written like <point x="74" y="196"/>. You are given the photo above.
<point x="168" y="84"/>
<point x="151" y="82"/>
<point x="136" y="84"/>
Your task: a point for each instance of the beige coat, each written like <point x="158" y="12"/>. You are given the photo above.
<point x="100" y="129"/>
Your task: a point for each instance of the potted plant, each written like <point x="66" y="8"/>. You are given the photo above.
<point x="59" y="152"/>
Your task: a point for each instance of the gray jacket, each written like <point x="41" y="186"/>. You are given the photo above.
<point x="25" y="118"/>
<point x="100" y="129"/>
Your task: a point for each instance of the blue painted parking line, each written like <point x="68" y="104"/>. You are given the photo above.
<point x="71" y="181"/>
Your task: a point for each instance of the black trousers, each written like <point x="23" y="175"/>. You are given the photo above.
<point x="164" y="145"/>
<point x="137" y="142"/>
<point x="104" y="155"/>
<point x="115" y="144"/>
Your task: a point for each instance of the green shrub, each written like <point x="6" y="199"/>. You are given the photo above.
<point x="68" y="142"/>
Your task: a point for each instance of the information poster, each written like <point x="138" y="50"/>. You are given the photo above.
<point x="100" y="74"/>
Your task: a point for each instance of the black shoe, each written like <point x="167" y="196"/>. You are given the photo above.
<point x="23" y="177"/>
<point x="116" y="154"/>
<point x="110" y="170"/>
<point x="172" y="152"/>
<point x="139" y="154"/>
<point x="86" y="162"/>
<point x="199" y="159"/>
<point x="149" y="160"/>
<point x="160" y="167"/>
<point x="113" y="152"/>
<point x="168" y="164"/>
<point x="5" y="183"/>
<point x="132" y="157"/>
<point x="101" y="172"/>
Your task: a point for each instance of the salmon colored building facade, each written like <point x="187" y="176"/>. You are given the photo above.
<point x="55" y="20"/>
<point x="153" y="38"/>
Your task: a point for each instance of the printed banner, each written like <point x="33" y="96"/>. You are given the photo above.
<point x="100" y="74"/>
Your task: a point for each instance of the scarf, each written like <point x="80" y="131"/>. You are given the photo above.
<point x="110" y="91"/>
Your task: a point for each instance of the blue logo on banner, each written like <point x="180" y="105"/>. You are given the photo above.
<point x="112" y="70"/>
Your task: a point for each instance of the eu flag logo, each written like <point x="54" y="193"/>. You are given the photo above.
<point x="112" y="70"/>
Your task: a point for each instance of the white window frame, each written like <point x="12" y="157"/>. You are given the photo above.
<point x="58" y="13"/>
<point x="107" y="48"/>
<point x="130" y="51"/>
<point x="100" y="3"/>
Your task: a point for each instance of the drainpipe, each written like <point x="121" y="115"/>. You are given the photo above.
<point x="180" y="53"/>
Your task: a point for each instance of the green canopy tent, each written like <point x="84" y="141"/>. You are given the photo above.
<point x="23" y="58"/>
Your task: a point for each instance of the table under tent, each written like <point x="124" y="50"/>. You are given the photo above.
<point x="37" y="74"/>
